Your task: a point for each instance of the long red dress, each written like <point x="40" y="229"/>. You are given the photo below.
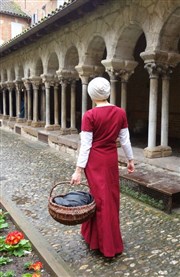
<point x="103" y="230"/>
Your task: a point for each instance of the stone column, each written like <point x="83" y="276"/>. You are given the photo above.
<point x="48" y="123"/>
<point x="113" y="81"/>
<point x="48" y="80"/>
<point x="73" y="107"/>
<point x="123" y="69"/>
<point x="84" y="71"/>
<point x="25" y="103"/>
<point x="43" y="104"/>
<point x="124" y="75"/>
<point x="18" y="85"/>
<point x="166" y="150"/>
<point x="84" y="80"/>
<point x="56" y="107"/>
<point x="154" y="70"/>
<point x="27" y="85"/>
<point x="64" y="129"/>
<point x="5" y="116"/>
<point x="10" y="86"/>
<point x="35" y="84"/>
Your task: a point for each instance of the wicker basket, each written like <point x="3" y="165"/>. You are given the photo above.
<point x="70" y="215"/>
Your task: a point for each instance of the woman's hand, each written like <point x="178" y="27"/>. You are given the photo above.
<point x="76" y="177"/>
<point x="130" y="166"/>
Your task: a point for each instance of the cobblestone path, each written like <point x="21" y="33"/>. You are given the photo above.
<point x="152" y="238"/>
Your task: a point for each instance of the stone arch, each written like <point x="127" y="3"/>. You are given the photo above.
<point x="127" y="42"/>
<point x="28" y="72"/>
<point x="170" y="33"/>
<point x="71" y="58"/>
<point x="4" y="75"/>
<point x="38" y="67"/>
<point x="12" y="74"/>
<point x="19" y="72"/>
<point x="53" y="63"/>
<point x="96" y="51"/>
<point x="138" y="93"/>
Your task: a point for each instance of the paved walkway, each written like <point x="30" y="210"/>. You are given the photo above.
<point x="152" y="238"/>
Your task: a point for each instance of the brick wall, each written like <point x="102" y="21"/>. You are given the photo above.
<point x="5" y="26"/>
<point x="38" y="7"/>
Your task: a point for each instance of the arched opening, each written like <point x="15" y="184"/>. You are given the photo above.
<point x="169" y="41"/>
<point x="53" y="65"/>
<point x="71" y="60"/>
<point x="95" y="53"/>
<point x="138" y="97"/>
<point x="39" y="67"/>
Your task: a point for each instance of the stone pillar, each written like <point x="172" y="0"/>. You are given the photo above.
<point x="56" y="107"/>
<point x="5" y="116"/>
<point x="123" y="69"/>
<point x="113" y="81"/>
<point x="48" y="80"/>
<point x="35" y="84"/>
<point x="84" y="71"/>
<point x="25" y="103"/>
<point x="64" y="129"/>
<point x="27" y="85"/>
<point x="124" y="74"/>
<point x="10" y="86"/>
<point x="18" y="85"/>
<point x="84" y="80"/>
<point x="73" y="107"/>
<point x="48" y="123"/>
<point x="43" y="103"/>
<point x="154" y="70"/>
<point x="166" y="150"/>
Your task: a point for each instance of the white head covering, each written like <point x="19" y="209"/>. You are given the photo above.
<point x="99" y="88"/>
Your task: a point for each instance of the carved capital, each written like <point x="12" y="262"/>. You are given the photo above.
<point x="48" y="80"/>
<point x="119" y="68"/>
<point x="153" y="69"/>
<point x="4" y="87"/>
<point x="85" y="72"/>
<point x="125" y="75"/>
<point x="166" y="72"/>
<point x="67" y="75"/>
<point x="18" y="85"/>
<point x="10" y="86"/>
<point x="27" y="83"/>
<point x="36" y="81"/>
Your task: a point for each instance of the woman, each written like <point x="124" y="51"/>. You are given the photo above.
<point x="101" y="126"/>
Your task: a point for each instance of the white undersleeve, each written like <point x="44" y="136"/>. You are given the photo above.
<point x="125" y="143"/>
<point x="86" y="144"/>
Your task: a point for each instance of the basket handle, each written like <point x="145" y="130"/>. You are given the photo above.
<point x="65" y="182"/>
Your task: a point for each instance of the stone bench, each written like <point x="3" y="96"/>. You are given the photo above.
<point x="155" y="182"/>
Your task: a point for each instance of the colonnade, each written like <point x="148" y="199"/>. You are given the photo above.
<point x="117" y="70"/>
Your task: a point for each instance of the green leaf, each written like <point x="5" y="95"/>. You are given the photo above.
<point x="5" y="260"/>
<point x="18" y="252"/>
<point x="27" y="265"/>
<point x="3" y="225"/>
<point x="7" y="274"/>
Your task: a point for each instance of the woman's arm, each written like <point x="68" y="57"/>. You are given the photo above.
<point x="86" y="144"/>
<point x="124" y="138"/>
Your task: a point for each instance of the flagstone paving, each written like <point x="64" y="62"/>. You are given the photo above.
<point x="151" y="237"/>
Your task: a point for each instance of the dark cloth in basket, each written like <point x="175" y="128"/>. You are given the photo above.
<point x="74" y="199"/>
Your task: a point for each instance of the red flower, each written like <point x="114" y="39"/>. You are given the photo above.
<point x="14" y="238"/>
<point x="36" y="266"/>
